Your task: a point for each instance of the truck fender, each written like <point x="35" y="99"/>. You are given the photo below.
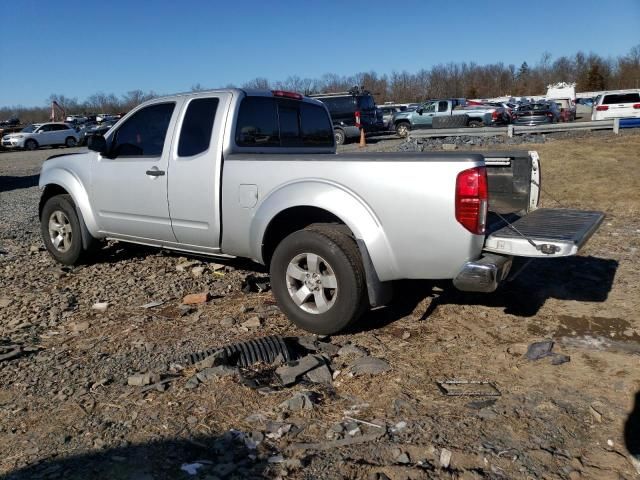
<point x="340" y="202"/>
<point x="74" y="187"/>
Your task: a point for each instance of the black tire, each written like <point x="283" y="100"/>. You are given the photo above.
<point x="475" y="124"/>
<point x="403" y="129"/>
<point x="74" y="251"/>
<point x="70" y="142"/>
<point x="340" y="136"/>
<point x="340" y="256"/>
<point x="30" y="144"/>
<point x="450" y="121"/>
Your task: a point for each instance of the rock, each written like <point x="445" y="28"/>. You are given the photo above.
<point x="596" y="412"/>
<point x="34" y="249"/>
<point x="197" y="271"/>
<point x="300" y="401"/>
<point x="403" y="458"/>
<point x="320" y="374"/>
<point x="275" y="430"/>
<point x="369" y="366"/>
<point x="559" y="359"/>
<point x="314" y="344"/>
<point x="78" y="327"/>
<point x="5" y="302"/>
<point x="538" y="350"/>
<point x="100" y="306"/>
<point x="192" y="383"/>
<point x="218" y="358"/>
<point x="184" y="310"/>
<point x="253" y="322"/>
<point x="405" y="335"/>
<point x="445" y="458"/>
<point x="228" y="322"/>
<point x="449" y="146"/>
<point x="352" y="350"/>
<point x="245" y="309"/>
<point x="214" y="373"/>
<point x="142" y="379"/>
<point x="290" y="372"/>
<point x="182" y="267"/>
<point x="195" y="298"/>
<point x="191" y="420"/>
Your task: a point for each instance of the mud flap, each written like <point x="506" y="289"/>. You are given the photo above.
<point x="546" y="232"/>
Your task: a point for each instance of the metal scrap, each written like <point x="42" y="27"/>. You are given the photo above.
<point x="469" y="388"/>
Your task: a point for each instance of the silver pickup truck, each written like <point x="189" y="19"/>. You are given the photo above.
<point x="255" y="174"/>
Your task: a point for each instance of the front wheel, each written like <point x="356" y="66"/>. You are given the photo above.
<point x="318" y="279"/>
<point x="402" y="129"/>
<point x="30" y="144"/>
<point x="70" y="142"/>
<point x="61" y="230"/>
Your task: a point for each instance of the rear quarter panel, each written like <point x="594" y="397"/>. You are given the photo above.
<point x="401" y="205"/>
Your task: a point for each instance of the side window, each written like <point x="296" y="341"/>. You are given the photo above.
<point x="257" y="123"/>
<point x="143" y="134"/>
<point x="430" y="107"/>
<point x="443" y="106"/>
<point x="195" y="135"/>
<point x="57" y="128"/>
<point x="45" y="128"/>
<point x="317" y="130"/>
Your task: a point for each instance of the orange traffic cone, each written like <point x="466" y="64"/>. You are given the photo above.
<point x="363" y="141"/>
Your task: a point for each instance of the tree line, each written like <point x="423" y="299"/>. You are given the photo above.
<point x="590" y="72"/>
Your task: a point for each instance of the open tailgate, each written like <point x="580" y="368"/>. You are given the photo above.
<point x="545" y="232"/>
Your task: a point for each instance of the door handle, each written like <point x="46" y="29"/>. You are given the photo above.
<point x="154" y="172"/>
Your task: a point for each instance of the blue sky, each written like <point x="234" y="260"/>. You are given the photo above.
<point x="76" y="48"/>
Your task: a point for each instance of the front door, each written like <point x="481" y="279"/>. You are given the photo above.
<point x="424" y="120"/>
<point x="130" y="182"/>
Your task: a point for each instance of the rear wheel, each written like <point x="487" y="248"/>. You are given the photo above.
<point x="318" y="279"/>
<point x="403" y="129"/>
<point x="339" y="136"/>
<point x="30" y="144"/>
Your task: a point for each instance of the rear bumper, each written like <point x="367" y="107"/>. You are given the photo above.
<point x="484" y="274"/>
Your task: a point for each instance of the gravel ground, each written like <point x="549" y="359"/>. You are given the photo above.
<point x="68" y="410"/>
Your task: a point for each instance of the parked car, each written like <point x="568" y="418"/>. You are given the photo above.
<point x="536" y="113"/>
<point x="345" y="109"/>
<point x="617" y="105"/>
<point x="76" y="119"/>
<point x="388" y="111"/>
<point x="567" y="108"/>
<point x="255" y="174"/>
<point x="41" y="135"/>
<point x="105" y="117"/>
<point x="11" y="122"/>
<point x="450" y="113"/>
<point x="95" y="129"/>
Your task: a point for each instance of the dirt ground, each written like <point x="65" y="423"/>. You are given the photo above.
<point x="66" y="410"/>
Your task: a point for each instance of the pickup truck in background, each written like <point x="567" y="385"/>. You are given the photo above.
<point x="449" y="113"/>
<point x="255" y="174"/>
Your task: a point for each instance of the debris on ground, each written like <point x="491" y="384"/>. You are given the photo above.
<point x="254" y="284"/>
<point x="196" y="298"/>
<point x="369" y="366"/>
<point x="300" y="401"/>
<point x="543" y="349"/>
<point x="142" y="379"/>
<point x="471" y="388"/>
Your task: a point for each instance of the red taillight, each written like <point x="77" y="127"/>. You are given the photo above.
<point x="283" y="93"/>
<point x="636" y="105"/>
<point x="602" y="108"/>
<point x="472" y="199"/>
<point x="549" y="114"/>
<point x="494" y="115"/>
<point x="357" y="115"/>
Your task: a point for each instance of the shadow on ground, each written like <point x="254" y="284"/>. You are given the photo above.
<point x="8" y="183"/>
<point x="585" y="279"/>
<point x="221" y="456"/>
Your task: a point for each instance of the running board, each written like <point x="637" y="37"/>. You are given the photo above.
<point x="546" y="232"/>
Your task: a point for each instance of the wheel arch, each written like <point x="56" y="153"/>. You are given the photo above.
<point x="299" y="205"/>
<point x="60" y="181"/>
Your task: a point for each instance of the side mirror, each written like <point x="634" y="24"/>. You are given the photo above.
<point x="419" y="110"/>
<point x="97" y="143"/>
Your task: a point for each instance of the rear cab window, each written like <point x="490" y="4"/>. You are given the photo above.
<point x="195" y="134"/>
<point x="276" y="122"/>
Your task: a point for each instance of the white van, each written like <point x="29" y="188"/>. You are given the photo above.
<point x="617" y="105"/>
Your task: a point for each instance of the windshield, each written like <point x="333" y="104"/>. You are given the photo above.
<point x="28" y="129"/>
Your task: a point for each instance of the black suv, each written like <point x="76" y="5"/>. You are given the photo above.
<point x="344" y="108"/>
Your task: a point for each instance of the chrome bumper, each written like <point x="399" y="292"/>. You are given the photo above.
<point x="484" y="274"/>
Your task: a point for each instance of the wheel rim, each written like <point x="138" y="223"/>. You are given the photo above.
<point x="60" y="231"/>
<point x="339" y="139"/>
<point x="311" y="282"/>
<point x="31" y="145"/>
<point x="402" y="131"/>
<point x="71" y="142"/>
